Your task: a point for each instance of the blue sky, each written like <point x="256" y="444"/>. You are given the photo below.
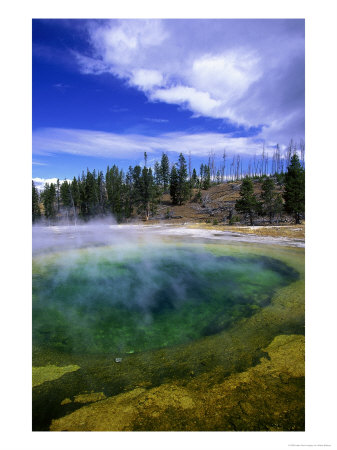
<point x="105" y="91"/>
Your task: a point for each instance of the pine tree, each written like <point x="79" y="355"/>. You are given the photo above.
<point x="165" y="171"/>
<point x="49" y="201"/>
<point x="195" y="180"/>
<point x="205" y="174"/>
<point x="145" y="194"/>
<point x="114" y="189"/>
<point x="74" y="193"/>
<point x="65" y="197"/>
<point x="146" y="181"/>
<point x="294" y="189"/>
<point x="36" y="212"/>
<point x="157" y="174"/>
<point x="58" y="194"/>
<point x="155" y="195"/>
<point x="174" y="185"/>
<point x="149" y="193"/>
<point x="83" y="201"/>
<point x="101" y="191"/>
<point x="158" y="181"/>
<point x="278" y="206"/>
<point x="248" y="203"/>
<point x="128" y="193"/>
<point x="183" y="185"/>
<point x="136" y="191"/>
<point x="91" y="193"/>
<point x="271" y="200"/>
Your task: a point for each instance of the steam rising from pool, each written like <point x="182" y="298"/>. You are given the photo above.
<point x="139" y="294"/>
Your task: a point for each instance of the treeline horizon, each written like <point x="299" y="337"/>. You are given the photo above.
<point x="140" y="190"/>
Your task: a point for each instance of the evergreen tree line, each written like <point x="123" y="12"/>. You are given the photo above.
<point x="139" y="190"/>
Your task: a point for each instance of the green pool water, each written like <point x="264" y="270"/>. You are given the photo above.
<point x="107" y="301"/>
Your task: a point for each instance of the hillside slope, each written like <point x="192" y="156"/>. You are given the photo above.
<point x="216" y="205"/>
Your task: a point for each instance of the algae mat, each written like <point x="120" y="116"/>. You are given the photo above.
<point x="247" y="376"/>
<point x="262" y="397"/>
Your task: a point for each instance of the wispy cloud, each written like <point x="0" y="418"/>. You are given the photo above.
<point x="150" y="119"/>
<point x="36" y="163"/>
<point x="131" y="146"/>
<point x="61" y="86"/>
<point x="118" y="110"/>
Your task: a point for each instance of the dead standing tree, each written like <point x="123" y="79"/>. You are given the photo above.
<point x="189" y="165"/>
<point x="211" y="164"/>
<point x="223" y="166"/>
<point x="302" y="152"/>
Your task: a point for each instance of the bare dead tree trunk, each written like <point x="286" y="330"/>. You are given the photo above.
<point x="279" y="162"/>
<point x="237" y="166"/>
<point x="223" y="167"/>
<point x="302" y="150"/>
<point x="211" y="164"/>
<point x="289" y="153"/>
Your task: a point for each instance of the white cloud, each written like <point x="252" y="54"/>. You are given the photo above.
<point x="146" y="79"/>
<point x="197" y="101"/>
<point x="119" y="46"/>
<point x="250" y="72"/>
<point x="132" y="146"/>
<point x="226" y="77"/>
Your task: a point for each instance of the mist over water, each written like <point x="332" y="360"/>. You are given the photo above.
<point x="64" y="236"/>
<point x="129" y="291"/>
<point x="103" y="232"/>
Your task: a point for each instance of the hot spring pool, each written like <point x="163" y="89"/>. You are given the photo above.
<point x="113" y="320"/>
<point x="102" y="302"/>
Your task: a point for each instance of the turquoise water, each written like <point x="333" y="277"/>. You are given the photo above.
<point x="106" y="303"/>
